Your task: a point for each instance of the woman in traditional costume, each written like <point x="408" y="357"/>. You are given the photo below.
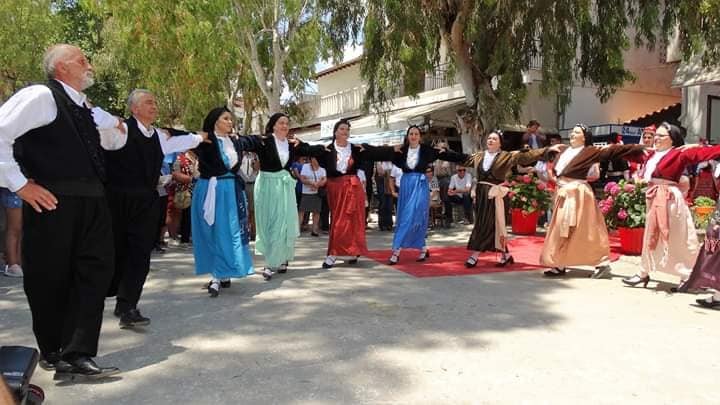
<point x="414" y="198"/>
<point x="670" y="243"/>
<point x="219" y="207"/>
<point x="345" y="193"/>
<point x="577" y="235"/>
<point x="276" y="218"/>
<point x="492" y="166"/>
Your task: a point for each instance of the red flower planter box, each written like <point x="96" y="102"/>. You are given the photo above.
<point x="524" y="223"/>
<point x="631" y="240"/>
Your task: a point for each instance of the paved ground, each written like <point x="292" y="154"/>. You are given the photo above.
<point x="369" y="334"/>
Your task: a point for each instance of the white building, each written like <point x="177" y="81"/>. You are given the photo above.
<point x="341" y="91"/>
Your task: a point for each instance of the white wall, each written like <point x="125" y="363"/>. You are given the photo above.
<point x="340" y="80"/>
<point x="694" y="110"/>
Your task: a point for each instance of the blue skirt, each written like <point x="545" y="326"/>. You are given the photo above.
<point x="412" y="212"/>
<point x="221" y="249"/>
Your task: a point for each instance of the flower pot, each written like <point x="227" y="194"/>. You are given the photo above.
<point x="524" y="223"/>
<point x="702" y="211"/>
<point x="631" y="240"/>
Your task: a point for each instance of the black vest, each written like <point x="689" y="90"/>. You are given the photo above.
<point x="210" y="162"/>
<point x="65" y="156"/>
<point x="136" y="166"/>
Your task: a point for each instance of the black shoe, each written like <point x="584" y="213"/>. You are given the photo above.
<point x="225" y="283"/>
<point x="48" y="361"/>
<point x="635" y="280"/>
<point x="394" y="259"/>
<point x="117" y="311"/>
<point x="267" y="274"/>
<point x="314" y="234"/>
<point x="601" y="272"/>
<point x="133" y="318"/>
<point x="555" y="272"/>
<point x="471" y="262"/>
<point x="423" y="255"/>
<point x="213" y="288"/>
<point x="82" y="368"/>
<point x="709" y="302"/>
<point x="505" y="261"/>
<point x="283" y="268"/>
<point x="354" y="261"/>
<point x="159" y="249"/>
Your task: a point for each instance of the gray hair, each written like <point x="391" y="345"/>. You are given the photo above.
<point x="135" y="95"/>
<point x="53" y="55"/>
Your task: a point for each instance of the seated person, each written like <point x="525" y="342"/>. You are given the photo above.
<point x="459" y="194"/>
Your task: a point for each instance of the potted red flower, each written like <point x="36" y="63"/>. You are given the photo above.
<point x="529" y="198"/>
<point x="623" y="206"/>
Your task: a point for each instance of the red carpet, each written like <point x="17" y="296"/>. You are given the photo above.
<point x="449" y="261"/>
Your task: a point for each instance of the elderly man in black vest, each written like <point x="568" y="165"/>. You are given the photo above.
<point x="58" y="169"/>
<point x="133" y="173"/>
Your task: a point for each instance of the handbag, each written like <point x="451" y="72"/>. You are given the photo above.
<point x="182" y="199"/>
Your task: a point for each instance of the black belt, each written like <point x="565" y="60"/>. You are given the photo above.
<point x="79" y="188"/>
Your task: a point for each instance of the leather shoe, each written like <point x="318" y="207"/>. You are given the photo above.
<point x="82" y="367"/>
<point x="48" y="361"/>
<point x="710" y="302"/>
<point x="133" y="318"/>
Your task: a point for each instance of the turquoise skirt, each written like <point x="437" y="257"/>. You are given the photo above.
<point x="276" y="217"/>
<point x="221" y="249"/>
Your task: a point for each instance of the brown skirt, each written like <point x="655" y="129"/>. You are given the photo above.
<point x="482" y="237"/>
<point x="586" y="242"/>
<point x="706" y="272"/>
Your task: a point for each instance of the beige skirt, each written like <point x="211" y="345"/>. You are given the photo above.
<point x="577" y="235"/>
<point x="678" y="256"/>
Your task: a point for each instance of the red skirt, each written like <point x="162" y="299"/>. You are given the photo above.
<point x="346" y="199"/>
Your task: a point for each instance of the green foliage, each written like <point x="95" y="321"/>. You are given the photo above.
<point x="623" y="204"/>
<point x="528" y="193"/>
<point x="28" y="29"/>
<point x="703" y="202"/>
<point x="575" y="40"/>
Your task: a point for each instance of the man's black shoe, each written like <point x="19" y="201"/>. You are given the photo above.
<point x="48" y="361"/>
<point x="82" y="367"/>
<point x="225" y="283"/>
<point x="133" y="318"/>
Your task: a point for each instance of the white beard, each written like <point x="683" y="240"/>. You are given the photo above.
<point x="88" y="80"/>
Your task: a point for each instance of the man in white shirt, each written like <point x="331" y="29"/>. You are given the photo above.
<point x="136" y="207"/>
<point x="459" y="194"/>
<point x="67" y="243"/>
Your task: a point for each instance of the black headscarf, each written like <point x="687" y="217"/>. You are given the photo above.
<point x="270" y="127"/>
<point x="676" y="134"/>
<point x="211" y="118"/>
<point x="337" y="125"/>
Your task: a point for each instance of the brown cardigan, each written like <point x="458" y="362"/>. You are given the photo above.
<point x="578" y="167"/>
<point x="504" y="162"/>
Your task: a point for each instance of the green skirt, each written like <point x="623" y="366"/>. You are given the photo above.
<point x="276" y="217"/>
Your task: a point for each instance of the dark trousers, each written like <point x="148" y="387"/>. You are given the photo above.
<point x="135" y="223"/>
<point x="463" y="200"/>
<point x="162" y="220"/>
<point x="185" y="226"/>
<point x="68" y="264"/>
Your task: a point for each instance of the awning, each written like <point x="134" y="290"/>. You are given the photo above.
<point x="670" y="114"/>
<point x="398" y="119"/>
<point x="692" y="73"/>
<point x="376" y="138"/>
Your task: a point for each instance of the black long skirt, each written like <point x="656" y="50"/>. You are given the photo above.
<point x="482" y="237"/>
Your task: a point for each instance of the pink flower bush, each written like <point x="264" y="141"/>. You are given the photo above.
<point x="528" y="194"/>
<point x="629" y="187"/>
<point x="541" y="186"/>
<point x="622" y="214"/>
<point x="526" y="179"/>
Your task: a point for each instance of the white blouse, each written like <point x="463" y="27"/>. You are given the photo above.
<point x="652" y="164"/>
<point x="413" y="156"/>
<point x="566" y="157"/>
<point x="229" y="150"/>
<point x="488" y="159"/>
<point x="283" y="149"/>
<point x="343" y="157"/>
